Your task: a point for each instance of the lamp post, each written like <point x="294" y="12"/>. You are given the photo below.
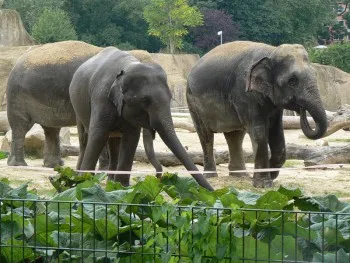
<point x="220" y="34"/>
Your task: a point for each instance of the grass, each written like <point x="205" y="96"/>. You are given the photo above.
<point x="293" y="163"/>
<point x="338" y="139"/>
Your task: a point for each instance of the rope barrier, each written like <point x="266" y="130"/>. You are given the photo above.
<point x="252" y="170"/>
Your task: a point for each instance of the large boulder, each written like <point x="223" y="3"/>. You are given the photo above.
<point x="334" y="85"/>
<point x="177" y="68"/>
<point x="12" y="31"/>
<point x="8" y="58"/>
<point x="34" y="140"/>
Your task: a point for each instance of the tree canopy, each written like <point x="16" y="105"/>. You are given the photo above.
<point x="190" y="25"/>
<point x="169" y="19"/>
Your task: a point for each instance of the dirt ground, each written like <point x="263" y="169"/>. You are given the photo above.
<point x="312" y="182"/>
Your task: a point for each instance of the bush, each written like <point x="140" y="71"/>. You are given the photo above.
<point x="53" y="26"/>
<point x="337" y="55"/>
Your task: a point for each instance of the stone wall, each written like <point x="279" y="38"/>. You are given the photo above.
<point x="334" y="83"/>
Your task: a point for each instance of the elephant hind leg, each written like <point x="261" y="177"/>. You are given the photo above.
<point x="103" y="159"/>
<point x="20" y="125"/>
<point x="52" y="153"/>
<point x="83" y="137"/>
<point x="113" y="152"/>
<point x="206" y="138"/>
<point x="234" y="140"/>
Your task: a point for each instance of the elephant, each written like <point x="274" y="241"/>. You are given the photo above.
<point x="115" y="92"/>
<point x="243" y="87"/>
<point x="38" y="92"/>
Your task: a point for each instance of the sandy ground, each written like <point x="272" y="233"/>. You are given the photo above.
<point x="312" y="182"/>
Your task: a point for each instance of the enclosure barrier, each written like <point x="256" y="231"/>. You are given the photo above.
<point x="52" y="231"/>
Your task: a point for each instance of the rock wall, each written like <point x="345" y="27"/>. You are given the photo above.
<point x="8" y="57"/>
<point x="177" y="68"/>
<point x="12" y="31"/>
<point x="334" y="83"/>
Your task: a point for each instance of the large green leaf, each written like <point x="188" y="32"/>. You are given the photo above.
<point x="16" y="251"/>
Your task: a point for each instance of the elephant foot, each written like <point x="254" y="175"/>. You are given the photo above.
<point x="264" y="183"/>
<point x="239" y="175"/>
<point x="11" y="161"/>
<point x="53" y="162"/>
<point x="274" y="175"/>
<point x="104" y="166"/>
<point x="124" y="180"/>
<point x="210" y="175"/>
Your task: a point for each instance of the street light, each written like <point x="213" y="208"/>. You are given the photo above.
<point x="220" y="34"/>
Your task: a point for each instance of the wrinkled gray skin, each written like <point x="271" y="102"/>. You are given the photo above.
<point x="243" y="87"/>
<point x="114" y="92"/>
<point x="39" y="93"/>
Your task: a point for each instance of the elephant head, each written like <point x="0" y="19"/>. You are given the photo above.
<point x="286" y="77"/>
<point x="142" y="97"/>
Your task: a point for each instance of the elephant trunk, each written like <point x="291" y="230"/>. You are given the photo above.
<point x="165" y="128"/>
<point x="317" y="112"/>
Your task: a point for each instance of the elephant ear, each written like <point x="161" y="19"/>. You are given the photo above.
<point x="116" y="93"/>
<point x="260" y="78"/>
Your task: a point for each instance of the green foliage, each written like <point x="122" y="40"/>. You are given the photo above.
<point x="337" y="55"/>
<point x="150" y="218"/>
<point x="277" y="22"/>
<point x="3" y="155"/>
<point x="53" y="26"/>
<point x="169" y="19"/>
<point x="347" y="18"/>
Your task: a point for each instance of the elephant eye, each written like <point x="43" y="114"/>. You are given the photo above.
<point x="293" y="81"/>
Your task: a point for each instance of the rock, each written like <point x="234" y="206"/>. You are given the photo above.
<point x="12" y="30"/>
<point x="35" y="140"/>
<point x="177" y="68"/>
<point x="4" y="124"/>
<point x="322" y="142"/>
<point x="8" y="57"/>
<point x="334" y="86"/>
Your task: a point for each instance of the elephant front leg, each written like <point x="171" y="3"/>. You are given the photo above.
<point x="258" y="135"/>
<point x="234" y="140"/>
<point x="206" y="138"/>
<point x="97" y="139"/>
<point x="128" y="145"/>
<point x="277" y="144"/>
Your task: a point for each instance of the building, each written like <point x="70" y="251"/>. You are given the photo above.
<point x="342" y="10"/>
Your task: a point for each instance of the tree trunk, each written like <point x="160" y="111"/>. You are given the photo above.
<point x="336" y="121"/>
<point x="312" y="155"/>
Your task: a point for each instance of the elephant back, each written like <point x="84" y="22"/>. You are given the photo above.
<point x="232" y="49"/>
<point x="57" y="53"/>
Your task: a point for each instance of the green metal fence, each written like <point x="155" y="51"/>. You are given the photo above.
<point x="52" y="231"/>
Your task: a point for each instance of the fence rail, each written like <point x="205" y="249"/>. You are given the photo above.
<point x="66" y="231"/>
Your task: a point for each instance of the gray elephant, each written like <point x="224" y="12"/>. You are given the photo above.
<point x="243" y="87"/>
<point x="114" y="92"/>
<point x="38" y="92"/>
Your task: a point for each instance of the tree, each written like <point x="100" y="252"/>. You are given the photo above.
<point x="205" y="36"/>
<point x="53" y="26"/>
<point x="337" y="55"/>
<point x="111" y="23"/>
<point x="169" y="19"/>
<point x="276" y="22"/>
